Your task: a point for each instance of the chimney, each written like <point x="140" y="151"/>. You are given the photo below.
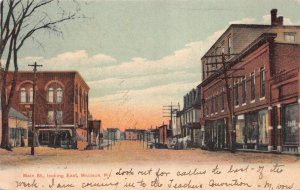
<point x="280" y="21"/>
<point x="274" y="17"/>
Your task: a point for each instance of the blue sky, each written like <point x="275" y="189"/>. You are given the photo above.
<point x="140" y="55"/>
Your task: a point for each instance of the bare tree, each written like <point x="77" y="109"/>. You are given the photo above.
<point x="19" y="21"/>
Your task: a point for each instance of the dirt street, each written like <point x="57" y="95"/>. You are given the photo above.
<point x="133" y="152"/>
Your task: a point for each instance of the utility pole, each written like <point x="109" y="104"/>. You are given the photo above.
<point x="35" y="65"/>
<point x="170" y="108"/>
<point x="225" y="68"/>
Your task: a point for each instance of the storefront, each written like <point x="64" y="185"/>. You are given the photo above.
<point x="55" y="138"/>
<point x="290" y="128"/>
<point x="252" y="130"/>
<point x="216" y="134"/>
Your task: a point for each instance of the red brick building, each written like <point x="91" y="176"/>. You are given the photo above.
<point x="264" y="87"/>
<point x="61" y="106"/>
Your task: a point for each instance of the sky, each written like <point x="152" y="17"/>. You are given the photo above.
<point x="137" y="56"/>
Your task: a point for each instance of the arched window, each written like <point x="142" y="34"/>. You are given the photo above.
<point x="50" y="95"/>
<point x="59" y="95"/>
<point x="22" y="95"/>
<point x="31" y="95"/>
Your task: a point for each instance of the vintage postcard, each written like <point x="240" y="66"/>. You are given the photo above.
<point x="150" y="95"/>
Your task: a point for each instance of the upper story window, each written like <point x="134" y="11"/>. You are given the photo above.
<point x="244" y="83"/>
<point x="252" y="87"/>
<point x="236" y="94"/>
<point x="50" y="95"/>
<point x="31" y="95"/>
<point x="262" y="82"/>
<point x="290" y="37"/>
<point x="55" y="94"/>
<point x="23" y="96"/>
<point x="59" y="95"/>
<point x="222" y="100"/>
<point x="223" y="46"/>
<point x="216" y="57"/>
<point x="229" y="45"/>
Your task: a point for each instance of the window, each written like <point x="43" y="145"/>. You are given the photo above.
<point x="244" y="90"/>
<point x="50" y="116"/>
<point x="59" y="95"/>
<point x="253" y="86"/>
<point x="31" y="95"/>
<point x="216" y="104"/>
<point x="76" y="94"/>
<point x="23" y="95"/>
<point x="216" y="57"/>
<point x="262" y="82"/>
<point x="222" y="100"/>
<point x="212" y="105"/>
<point x="236" y="94"/>
<point x="59" y="117"/>
<point x="290" y="37"/>
<point x="223" y="47"/>
<point x="229" y="44"/>
<point x="50" y="95"/>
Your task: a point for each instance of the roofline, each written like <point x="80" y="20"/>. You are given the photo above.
<point x="71" y="72"/>
<point x="247" y="26"/>
<point x="264" y="38"/>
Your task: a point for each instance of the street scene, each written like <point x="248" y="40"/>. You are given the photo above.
<point x="183" y="83"/>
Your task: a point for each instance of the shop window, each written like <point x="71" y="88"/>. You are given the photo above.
<point x="12" y="133"/>
<point x="59" y="95"/>
<point x="262" y="82"/>
<point x="290" y="125"/>
<point x="244" y="83"/>
<point x="240" y="129"/>
<point x="263" y="126"/>
<point x="50" y="95"/>
<point x="252" y="86"/>
<point x="252" y="128"/>
<point x="31" y="95"/>
<point x="290" y="37"/>
<point x="23" y="95"/>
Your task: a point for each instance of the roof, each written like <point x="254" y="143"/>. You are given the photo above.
<point x="264" y="38"/>
<point x="247" y="26"/>
<point x="15" y="114"/>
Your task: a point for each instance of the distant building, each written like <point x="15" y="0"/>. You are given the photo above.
<point x="61" y="106"/>
<point x="115" y="133"/>
<point x="18" y="128"/>
<point x="165" y="134"/>
<point x="95" y="132"/>
<point x="134" y="134"/>
<point x="190" y="117"/>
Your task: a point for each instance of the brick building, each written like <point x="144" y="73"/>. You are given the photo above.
<point x="238" y="36"/>
<point x="61" y="106"/>
<point x="262" y="59"/>
<point x="264" y="98"/>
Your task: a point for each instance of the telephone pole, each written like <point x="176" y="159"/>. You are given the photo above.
<point x="170" y="108"/>
<point x="223" y="74"/>
<point x="35" y="65"/>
